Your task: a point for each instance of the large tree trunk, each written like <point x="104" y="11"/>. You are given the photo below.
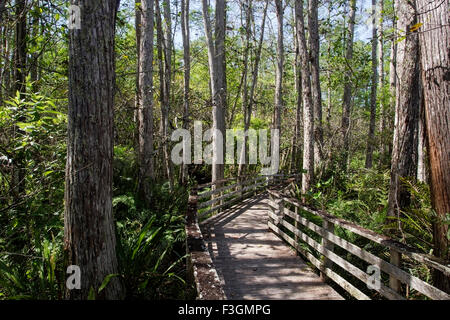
<point x="308" y="108"/>
<point x="435" y="58"/>
<point x="346" y="105"/>
<point x="89" y="236"/>
<point x="313" y="24"/>
<point x="404" y="155"/>
<point x="216" y="62"/>
<point x="146" y="165"/>
<point x="187" y="72"/>
<point x="373" y="91"/>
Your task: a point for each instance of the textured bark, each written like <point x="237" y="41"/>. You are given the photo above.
<point x="296" y="156"/>
<point x="137" y="24"/>
<point x="308" y="108"/>
<point x="435" y="58"/>
<point x="313" y="25"/>
<point x="145" y="113"/>
<point x="89" y="238"/>
<point x="187" y="72"/>
<point x="279" y="67"/>
<point x="392" y="86"/>
<point x="166" y="93"/>
<point x="216" y="62"/>
<point x="346" y="105"/>
<point x="381" y="77"/>
<point x="373" y="91"/>
<point x="20" y="73"/>
<point x="404" y="155"/>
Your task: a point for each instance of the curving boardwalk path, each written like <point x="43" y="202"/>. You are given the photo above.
<point x="253" y="263"/>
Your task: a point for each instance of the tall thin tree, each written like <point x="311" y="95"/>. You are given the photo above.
<point x="308" y="108"/>
<point x="145" y="112"/>
<point x="347" y="98"/>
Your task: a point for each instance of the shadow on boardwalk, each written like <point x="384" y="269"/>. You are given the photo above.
<point x="253" y="263"/>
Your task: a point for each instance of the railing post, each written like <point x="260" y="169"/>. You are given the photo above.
<point x="296" y="224"/>
<point x="395" y="259"/>
<point x="280" y="211"/>
<point x="326" y="244"/>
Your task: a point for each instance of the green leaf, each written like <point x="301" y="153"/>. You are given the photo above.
<point x="106" y="281"/>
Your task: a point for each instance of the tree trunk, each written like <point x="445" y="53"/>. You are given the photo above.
<point x="20" y="73"/>
<point x="187" y="72"/>
<point x="249" y="11"/>
<point x="89" y="236"/>
<point x="383" y="145"/>
<point x="279" y="67"/>
<point x="216" y="62"/>
<point x="313" y="25"/>
<point x="308" y="108"/>
<point x="166" y="94"/>
<point x="435" y="58"/>
<point x="404" y="155"/>
<point x="346" y="105"/>
<point x="137" y="24"/>
<point x="146" y="166"/>
<point x="392" y="84"/>
<point x="373" y="91"/>
<point x="299" y="112"/>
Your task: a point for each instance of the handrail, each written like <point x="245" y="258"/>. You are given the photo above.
<point x="277" y="213"/>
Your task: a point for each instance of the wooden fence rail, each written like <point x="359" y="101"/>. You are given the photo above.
<point x="289" y="231"/>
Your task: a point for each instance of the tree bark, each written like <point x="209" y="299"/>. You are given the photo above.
<point x="89" y="238"/>
<point x="308" y="108"/>
<point x="167" y="86"/>
<point x="373" y="91"/>
<point x="435" y="57"/>
<point x="279" y="67"/>
<point x="346" y="105"/>
<point x="381" y="78"/>
<point x="185" y="30"/>
<point x="216" y="62"/>
<point x="404" y="155"/>
<point x="299" y="112"/>
<point x="249" y="11"/>
<point x="313" y="25"/>
<point x="146" y="165"/>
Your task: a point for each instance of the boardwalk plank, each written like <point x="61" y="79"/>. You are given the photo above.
<point x="253" y="263"/>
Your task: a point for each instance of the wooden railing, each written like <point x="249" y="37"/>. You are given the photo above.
<point x="210" y="198"/>
<point x="292" y="221"/>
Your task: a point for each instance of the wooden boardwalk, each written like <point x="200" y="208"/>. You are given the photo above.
<point x="253" y="263"/>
